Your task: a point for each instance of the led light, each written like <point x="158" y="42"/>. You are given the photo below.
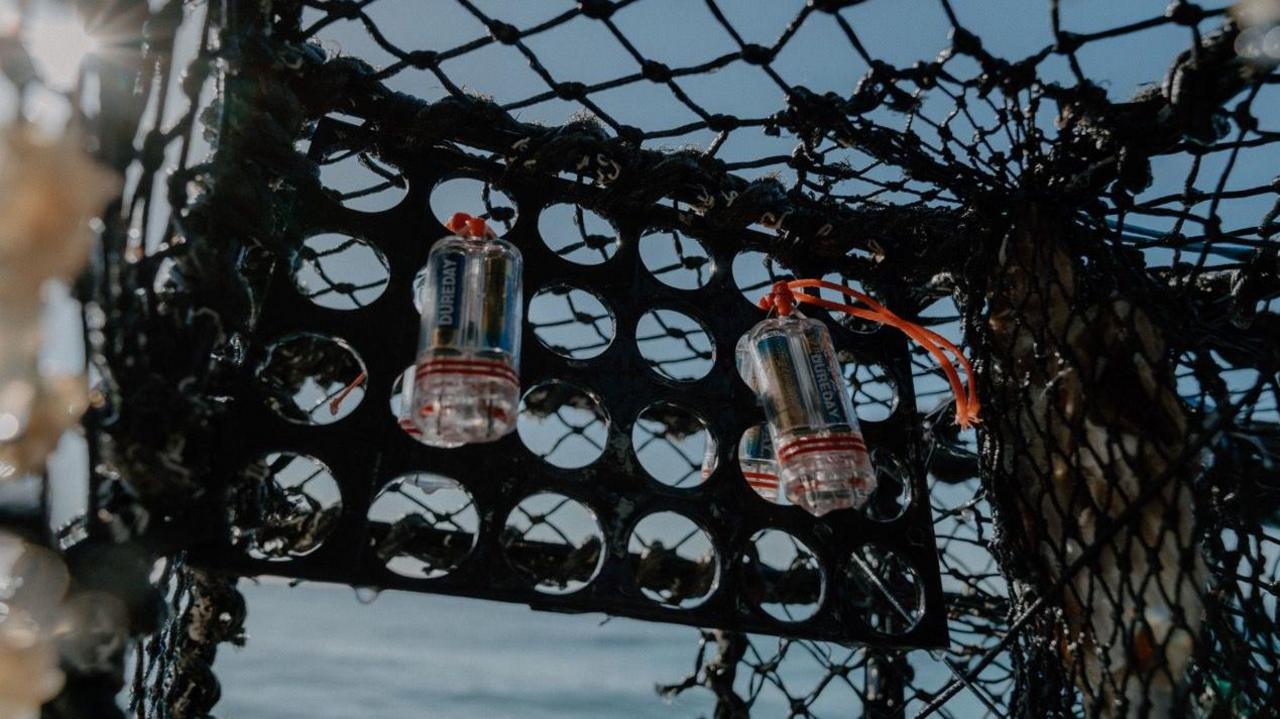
<point x="467" y="384"/>
<point x="821" y="457"/>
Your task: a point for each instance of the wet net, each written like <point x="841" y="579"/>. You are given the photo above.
<point x="1082" y="197"/>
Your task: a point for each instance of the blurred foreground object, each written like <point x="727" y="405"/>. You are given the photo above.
<point x="33" y="581"/>
<point x="1259" y="40"/>
<point x="49" y="188"/>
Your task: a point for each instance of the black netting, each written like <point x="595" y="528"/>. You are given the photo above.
<point x="1083" y="198"/>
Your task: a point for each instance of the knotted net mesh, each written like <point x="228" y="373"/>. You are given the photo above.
<point x="1080" y="196"/>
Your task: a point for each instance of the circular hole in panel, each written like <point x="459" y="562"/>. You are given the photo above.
<point x="886" y="588"/>
<point x="311" y="378"/>
<point x="362" y="181"/>
<point x="758" y="464"/>
<point x="854" y="324"/>
<point x="673" y="445"/>
<point x="754" y="272"/>
<point x="675" y="345"/>
<point x="673" y="560"/>
<point x="424" y="525"/>
<point x="952" y="451"/>
<point x="874" y="394"/>
<point x="339" y="272"/>
<point x="554" y="541"/>
<point x="563" y="424"/>
<point x="285" y="505"/>
<point x="893" y="492"/>
<point x="784" y="576"/>
<point x="676" y="259"/>
<point x="572" y="322"/>
<point x="476" y="198"/>
<point x="932" y="390"/>
<point x="578" y="235"/>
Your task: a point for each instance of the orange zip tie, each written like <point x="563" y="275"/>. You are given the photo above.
<point x="784" y="295"/>
<point x="913" y="330"/>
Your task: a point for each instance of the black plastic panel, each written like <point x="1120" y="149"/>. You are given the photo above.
<point x="366" y="449"/>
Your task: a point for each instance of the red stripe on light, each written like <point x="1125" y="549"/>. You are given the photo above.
<point x="761" y="480"/>
<point x="812" y="450"/>
<point x="470" y="368"/>
<point x="465" y="365"/>
<point x="471" y="373"/>
<point x="791" y="449"/>
<point x="824" y="444"/>
<point x="842" y="437"/>
<point x="449" y="368"/>
<point x="450" y="360"/>
<point x="839" y="439"/>
<point x="830" y="443"/>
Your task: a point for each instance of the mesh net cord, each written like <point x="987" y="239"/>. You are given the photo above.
<point x="1086" y="473"/>
<point x="173" y="673"/>
<point x="1124" y="480"/>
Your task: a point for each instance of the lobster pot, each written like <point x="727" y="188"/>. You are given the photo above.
<point x="467" y="382"/>
<point x="821" y="457"/>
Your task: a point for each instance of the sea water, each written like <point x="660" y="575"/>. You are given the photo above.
<point x="316" y="652"/>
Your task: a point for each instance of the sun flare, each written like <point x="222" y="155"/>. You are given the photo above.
<point x="59" y="44"/>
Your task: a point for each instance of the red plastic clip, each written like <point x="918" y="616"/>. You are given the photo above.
<point x="465" y="225"/>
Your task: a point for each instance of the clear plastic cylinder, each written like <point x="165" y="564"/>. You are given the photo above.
<point x="467" y="377"/>
<point x="759" y="467"/>
<point x="822" y="459"/>
<point x="755" y="449"/>
<point x="710" y="458"/>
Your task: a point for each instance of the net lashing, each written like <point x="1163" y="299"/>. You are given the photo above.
<point x="1107" y="258"/>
